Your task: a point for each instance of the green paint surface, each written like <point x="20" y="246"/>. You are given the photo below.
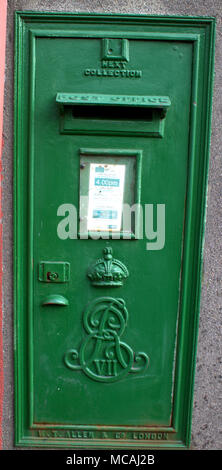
<point x="152" y="317"/>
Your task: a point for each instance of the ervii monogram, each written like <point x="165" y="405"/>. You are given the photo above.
<point x="103" y="356"/>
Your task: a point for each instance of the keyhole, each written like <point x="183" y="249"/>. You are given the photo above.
<point x="52" y="276"/>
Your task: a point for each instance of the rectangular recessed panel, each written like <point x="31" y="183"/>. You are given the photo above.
<point x="109" y="186"/>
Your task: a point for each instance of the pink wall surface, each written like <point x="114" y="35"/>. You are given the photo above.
<point x="3" y="15"/>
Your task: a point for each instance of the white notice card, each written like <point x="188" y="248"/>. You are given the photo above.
<point x="106" y="187"/>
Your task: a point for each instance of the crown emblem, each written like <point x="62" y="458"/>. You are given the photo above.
<point x="107" y="271"/>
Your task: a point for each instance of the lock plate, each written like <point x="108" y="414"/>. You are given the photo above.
<point x="54" y="271"/>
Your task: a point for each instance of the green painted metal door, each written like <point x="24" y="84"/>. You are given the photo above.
<point x="111" y="127"/>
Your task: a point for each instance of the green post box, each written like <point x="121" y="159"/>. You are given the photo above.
<point x="112" y="123"/>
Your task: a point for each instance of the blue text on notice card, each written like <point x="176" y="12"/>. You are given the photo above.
<point x="110" y="182"/>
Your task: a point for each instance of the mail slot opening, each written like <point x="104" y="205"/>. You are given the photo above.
<point x="95" y="114"/>
<point x="116" y="113"/>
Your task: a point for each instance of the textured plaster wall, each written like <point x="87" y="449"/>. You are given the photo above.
<point x="207" y="419"/>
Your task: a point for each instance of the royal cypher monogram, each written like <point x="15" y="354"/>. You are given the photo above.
<point x="103" y="356"/>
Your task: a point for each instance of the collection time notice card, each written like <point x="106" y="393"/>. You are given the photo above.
<point x="106" y="188"/>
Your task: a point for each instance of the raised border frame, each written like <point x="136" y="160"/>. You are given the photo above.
<point x="201" y="33"/>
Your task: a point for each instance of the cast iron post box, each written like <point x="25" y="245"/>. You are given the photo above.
<point x="112" y="122"/>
